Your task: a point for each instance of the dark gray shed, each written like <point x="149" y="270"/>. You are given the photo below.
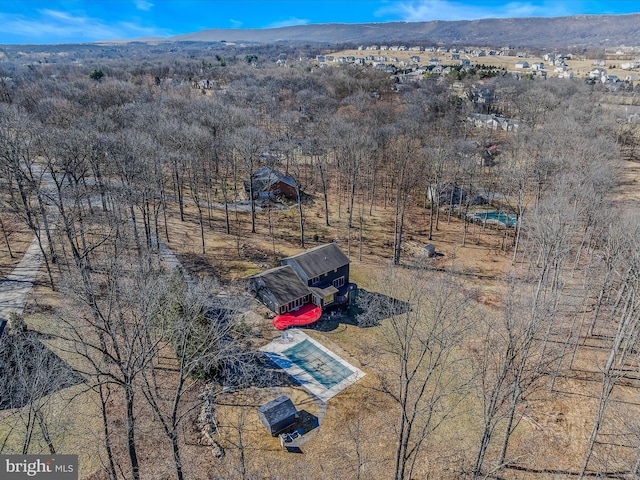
<point x="278" y="415"/>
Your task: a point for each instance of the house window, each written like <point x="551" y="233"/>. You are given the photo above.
<point x="314" y="280"/>
<point x="296" y="303"/>
<point x="338" y="282"/>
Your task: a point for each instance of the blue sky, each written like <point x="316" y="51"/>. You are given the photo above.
<point x="64" y="21"/>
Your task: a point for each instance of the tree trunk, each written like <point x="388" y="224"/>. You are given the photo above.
<point x="104" y="398"/>
<point x="131" y="441"/>
<point x="301" y="217"/>
<point x="6" y="237"/>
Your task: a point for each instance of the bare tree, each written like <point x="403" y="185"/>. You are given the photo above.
<point x="425" y="379"/>
<point x="202" y="331"/>
<point x="249" y="142"/>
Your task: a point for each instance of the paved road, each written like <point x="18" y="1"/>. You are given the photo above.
<point x="16" y="287"/>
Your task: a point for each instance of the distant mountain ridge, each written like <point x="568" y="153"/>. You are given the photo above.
<point x="579" y="30"/>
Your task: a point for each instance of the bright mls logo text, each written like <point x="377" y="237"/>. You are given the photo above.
<point x="58" y="467"/>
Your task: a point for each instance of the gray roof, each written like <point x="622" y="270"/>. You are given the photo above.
<point x="264" y="177"/>
<point x="316" y="261"/>
<point x="278" y="410"/>
<point x="324" y="291"/>
<point x="283" y="283"/>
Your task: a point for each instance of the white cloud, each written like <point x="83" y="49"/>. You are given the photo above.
<point x="290" y="22"/>
<point x="145" y="5"/>
<point x="426" y="10"/>
<point x="235" y="23"/>
<point x="57" y="26"/>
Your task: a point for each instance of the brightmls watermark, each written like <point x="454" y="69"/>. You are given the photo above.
<point x="52" y="467"/>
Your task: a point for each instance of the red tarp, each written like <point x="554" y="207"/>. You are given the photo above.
<point x="305" y="315"/>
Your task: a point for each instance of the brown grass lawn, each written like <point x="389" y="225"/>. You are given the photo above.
<point x="357" y="427"/>
<point x="19" y="237"/>
<point x="359" y="416"/>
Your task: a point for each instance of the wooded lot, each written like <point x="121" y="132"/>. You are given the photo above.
<point x="515" y="354"/>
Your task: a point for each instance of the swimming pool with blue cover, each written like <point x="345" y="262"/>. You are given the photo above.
<point x="325" y="369"/>
<point x="504" y="218"/>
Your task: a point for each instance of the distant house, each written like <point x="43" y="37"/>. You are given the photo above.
<point x="268" y="183"/>
<point x="630" y="65"/>
<point x="522" y="64"/>
<point x="320" y="58"/>
<point x="205" y="84"/>
<point x="278" y="415"/>
<point x="319" y="276"/>
<point x="537" y="66"/>
<point x="484" y="96"/>
<point x="451" y="193"/>
<point x="493" y="122"/>
<point x="568" y="74"/>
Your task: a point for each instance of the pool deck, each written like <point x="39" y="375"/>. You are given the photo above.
<point x="291" y="337"/>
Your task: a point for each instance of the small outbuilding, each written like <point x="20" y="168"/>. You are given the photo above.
<point x="278" y="415"/>
<point x="429" y="250"/>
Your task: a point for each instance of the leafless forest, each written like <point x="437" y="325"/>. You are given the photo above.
<point x="108" y="155"/>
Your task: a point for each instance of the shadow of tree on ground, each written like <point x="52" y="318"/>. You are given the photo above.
<point x="29" y="370"/>
<point x="368" y="310"/>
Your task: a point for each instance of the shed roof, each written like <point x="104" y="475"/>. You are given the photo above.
<point x="277" y="410"/>
<point x="283" y="283"/>
<point x="324" y="258"/>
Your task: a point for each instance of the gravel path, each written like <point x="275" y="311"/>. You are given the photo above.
<point x="16" y="287"/>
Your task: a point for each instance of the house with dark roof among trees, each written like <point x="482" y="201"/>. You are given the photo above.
<point x="305" y="284"/>
<point x="269" y="183"/>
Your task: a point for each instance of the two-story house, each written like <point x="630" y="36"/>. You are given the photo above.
<point x="325" y="270"/>
<point x="304" y="285"/>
